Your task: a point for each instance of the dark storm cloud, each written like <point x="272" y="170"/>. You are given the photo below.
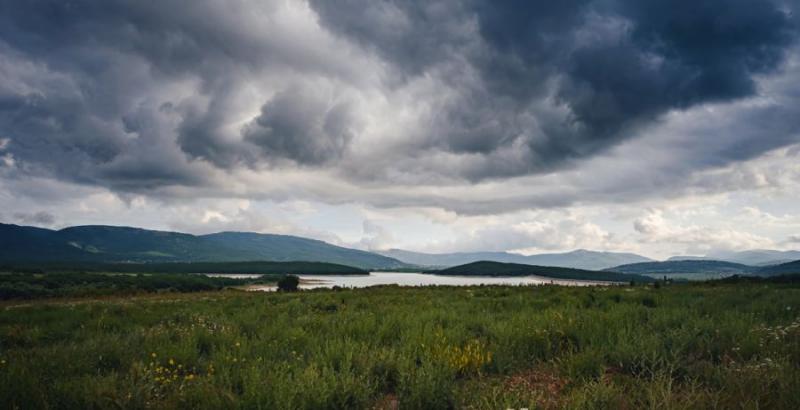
<point x="676" y="54"/>
<point x="138" y="95"/>
<point x="88" y="71"/>
<point x="613" y="65"/>
<point x="81" y="88"/>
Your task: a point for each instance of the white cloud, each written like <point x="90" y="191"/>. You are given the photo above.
<point x="654" y="228"/>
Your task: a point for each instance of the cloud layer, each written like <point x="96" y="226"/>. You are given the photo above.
<point x="473" y="107"/>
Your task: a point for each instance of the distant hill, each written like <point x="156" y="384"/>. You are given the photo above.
<point x="685" y="267"/>
<point x="489" y="268"/>
<point x="583" y="259"/>
<point x="110" y="244"/>
<point x="578" y="259"/>
<point x="451" y="259"/>
<point x="758" y="257"/>
<point x="782" y="269"/>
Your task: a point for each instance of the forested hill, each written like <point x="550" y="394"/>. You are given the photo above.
<point x="488" y="268"/>
<point x="782" y="269"/>
<point x="111" y="244"/>
<point x="685" y="267"/>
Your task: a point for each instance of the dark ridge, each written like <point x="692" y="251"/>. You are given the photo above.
<point x="488" y="268"/>
<point x="684" y="267"/>
<point x="113" y="244"/>
<point x="782" y="269"/>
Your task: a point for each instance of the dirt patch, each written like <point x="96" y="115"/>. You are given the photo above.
<point x="387" y="402"/>
<point x="546" y="385"/>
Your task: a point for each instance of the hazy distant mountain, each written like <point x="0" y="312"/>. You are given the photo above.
<point x="705" y="267"/>
<point x="124" y="244"/>
<point x="782" y="269"/>
<point x="579" y="259"/>
<point x="757" y="256"/>
<point x="583" y="259"/>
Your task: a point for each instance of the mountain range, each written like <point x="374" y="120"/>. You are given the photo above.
<point x="578" y="259"/>
<point x="123" y="244"/>
<point x="113" y="244"/>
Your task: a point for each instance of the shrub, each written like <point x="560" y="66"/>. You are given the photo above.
<point x="288" y="283"/>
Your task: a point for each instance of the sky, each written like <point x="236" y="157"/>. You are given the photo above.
<point x="665" y="127"/>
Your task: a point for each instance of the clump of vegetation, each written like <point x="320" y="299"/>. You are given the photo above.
<point x="288" y="283"/>
<point x="683" y="346"/>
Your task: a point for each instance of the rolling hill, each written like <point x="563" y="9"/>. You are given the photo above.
<point x="756" y="257"/>
<point x="782" y="269"/>
<point x="490" y="268"/>
<point x="759" y="257"/>
<point x="692" y="266"/>
<point x="578" y="259"/>
<point x="584" y="259"/>
<point x="111" y="244"/>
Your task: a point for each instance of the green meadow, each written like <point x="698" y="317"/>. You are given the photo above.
<point x="669" y="347"/>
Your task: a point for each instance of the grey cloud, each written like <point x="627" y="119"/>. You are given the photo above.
<point x="301" y="125"/>
<point x="37" y="218"/>
<point x="139" y="96"/>
<point x="611" y="66"/>
<point x="77" y="75"/>
<point x="413" y="35"/>
<point x="201" y="134"/>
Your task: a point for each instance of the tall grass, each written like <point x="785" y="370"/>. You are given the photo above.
<point x="680" y="346"/>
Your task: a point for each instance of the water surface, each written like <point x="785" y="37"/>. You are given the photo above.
<point x="419" y="279"/>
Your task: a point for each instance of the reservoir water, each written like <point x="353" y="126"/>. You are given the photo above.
<point x="416" y="279"/>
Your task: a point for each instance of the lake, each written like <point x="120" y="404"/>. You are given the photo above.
<point x="416" y="279"/>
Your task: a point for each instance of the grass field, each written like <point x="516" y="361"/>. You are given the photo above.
<point x="677" y="346"/>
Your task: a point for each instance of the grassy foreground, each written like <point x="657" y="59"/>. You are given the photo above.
<point x="680" y="346"/>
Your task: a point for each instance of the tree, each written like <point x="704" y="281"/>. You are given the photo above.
<point x="288" y="283"/>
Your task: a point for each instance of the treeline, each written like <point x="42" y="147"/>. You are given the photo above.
<point x="36" y="286"/>
<point x="780" y="279"/>
<point x="260" y="268"/>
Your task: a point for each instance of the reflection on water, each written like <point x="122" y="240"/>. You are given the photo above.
<point x="417" y="279"/>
